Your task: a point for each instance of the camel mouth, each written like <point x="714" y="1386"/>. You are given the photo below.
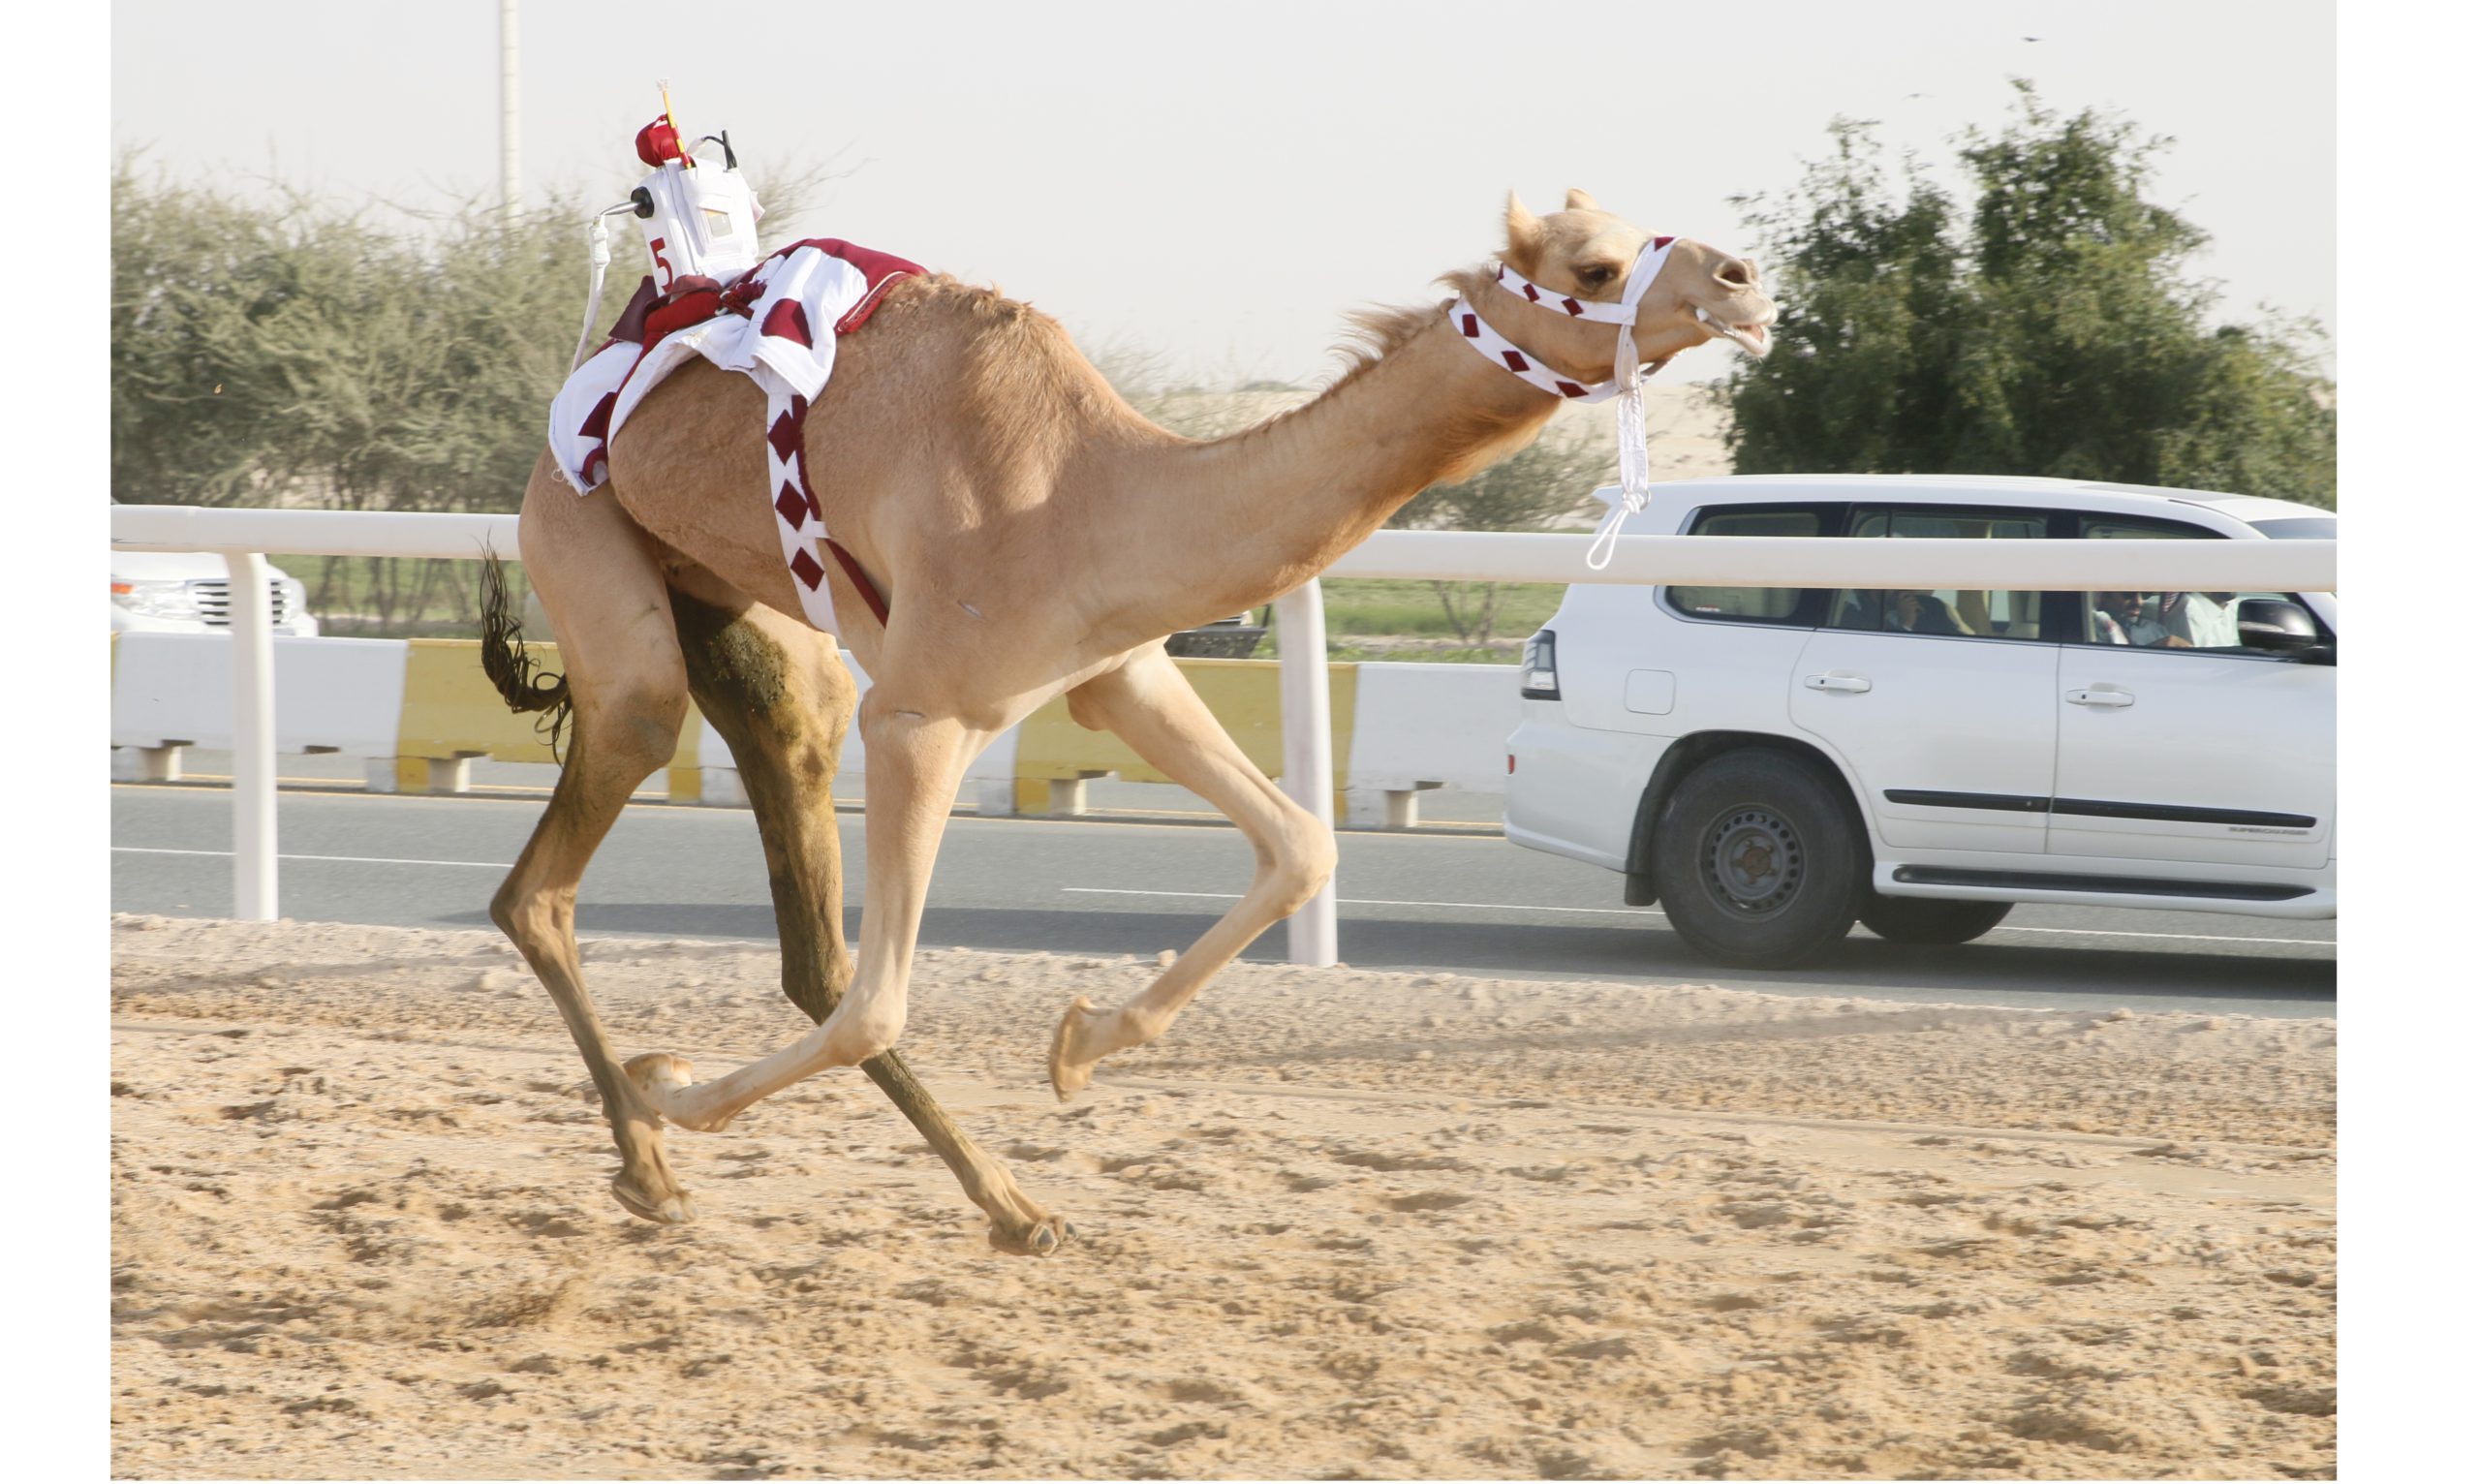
<point x="1756" y="339"/>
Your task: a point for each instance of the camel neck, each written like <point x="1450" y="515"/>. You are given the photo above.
<point x="1265" y="510"/>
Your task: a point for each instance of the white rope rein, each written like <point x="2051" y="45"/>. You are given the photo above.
<point x="1626" y="379"/>
<point x="1636" y="465"/>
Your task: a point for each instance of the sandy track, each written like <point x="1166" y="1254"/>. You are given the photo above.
<point x="1336" y="1224"/>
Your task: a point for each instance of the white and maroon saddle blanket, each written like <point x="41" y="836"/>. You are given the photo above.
<point x="776" y="325"/>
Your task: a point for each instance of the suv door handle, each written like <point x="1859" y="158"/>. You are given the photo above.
<point x="2108" y="700"/>
<point x="1838" y="681"/>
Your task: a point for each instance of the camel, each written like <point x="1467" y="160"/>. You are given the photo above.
<point x="1031" y="534"/>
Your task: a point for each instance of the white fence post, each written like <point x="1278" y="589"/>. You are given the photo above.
<point x="1308" y="751"/>
<point x="248" y="606"/>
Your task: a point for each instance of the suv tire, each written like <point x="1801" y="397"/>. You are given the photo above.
<point x="1760" y="862"/>
<point x="1929" y="920"/>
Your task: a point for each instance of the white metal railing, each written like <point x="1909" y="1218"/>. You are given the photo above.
<point x="241" y="535"/>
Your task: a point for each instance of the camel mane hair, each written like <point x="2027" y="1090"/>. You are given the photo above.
<point x="1372" y="333"/>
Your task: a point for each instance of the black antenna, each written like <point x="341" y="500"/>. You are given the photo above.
<point x="723" y="137"/>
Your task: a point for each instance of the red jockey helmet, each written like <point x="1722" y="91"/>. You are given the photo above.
<point x="658" y="144"/>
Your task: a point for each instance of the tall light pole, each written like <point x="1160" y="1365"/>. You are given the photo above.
<point x="510" y="189"/>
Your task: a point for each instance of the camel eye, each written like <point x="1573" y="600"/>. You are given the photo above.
<point x="1594" y="275"/>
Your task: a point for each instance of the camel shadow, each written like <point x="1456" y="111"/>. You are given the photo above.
<point x="1859" y="965"/>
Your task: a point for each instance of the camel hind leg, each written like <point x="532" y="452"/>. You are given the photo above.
<point x="1153" y="708"/>
<point x="781" y="698"/>
<point x="606" y="596"/>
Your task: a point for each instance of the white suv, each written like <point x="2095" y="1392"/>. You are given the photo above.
<point x="1771" y="763"/>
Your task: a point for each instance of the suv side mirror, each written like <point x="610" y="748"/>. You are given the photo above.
<point x="2279" y="626"/>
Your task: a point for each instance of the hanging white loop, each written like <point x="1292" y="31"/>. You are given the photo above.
<point x="597" y="239"/>
<point x="598" y="251"/>
<point x="1605" y="537"/>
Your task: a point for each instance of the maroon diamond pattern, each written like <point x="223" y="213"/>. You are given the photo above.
<point x="791" y="506"/>
<point x="785" y="438"/>
<point x="805" y="567"/>
<point x="1472" y="326"/>
<point x="1571" y="389"/>
<point x="1572" y="307"/>
<point x="788" y="321"/>
<point x="1515" y="362"/>
<point x="598" y="423"/>
<point x="1533" y="294"/>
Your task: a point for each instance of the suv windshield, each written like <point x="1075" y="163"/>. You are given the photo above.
<point x="2298" y="528"/>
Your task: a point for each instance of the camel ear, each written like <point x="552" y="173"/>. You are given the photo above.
<point x="1581" y="200"/>
<point x="1524" y="237"/>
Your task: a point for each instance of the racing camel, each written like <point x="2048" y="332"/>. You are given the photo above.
<point x="1029" y="534"/>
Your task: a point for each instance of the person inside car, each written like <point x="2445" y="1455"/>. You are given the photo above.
<point x="1910" y="612"/>
<point x="2201" y="620"/>
<point x="2121" y="619"/>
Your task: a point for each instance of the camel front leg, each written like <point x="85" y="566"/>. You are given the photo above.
<point x="780" y="697"/>
<point x="1153" y="708"/>
<point x="917" y="759"/>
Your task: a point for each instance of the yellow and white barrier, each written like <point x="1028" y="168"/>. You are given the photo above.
<point x="453" y="714"/>
<point x="1055" y="756"/>
<point x="419" y="711"/>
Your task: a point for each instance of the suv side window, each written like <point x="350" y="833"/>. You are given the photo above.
<point x="2147" y="620"/>
<point x="1987" y="613"/>
<point x="1794" y="607"/>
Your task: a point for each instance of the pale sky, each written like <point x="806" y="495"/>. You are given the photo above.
<point x="1220" y="183"/>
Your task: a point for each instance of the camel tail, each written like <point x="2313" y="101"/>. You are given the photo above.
<point x="510" y="668"/>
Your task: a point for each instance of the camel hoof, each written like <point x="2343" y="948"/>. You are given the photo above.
<point x="674" y="1209"/>
<point x="1041" y="1240"/>
<point x="1072" y="1063"/>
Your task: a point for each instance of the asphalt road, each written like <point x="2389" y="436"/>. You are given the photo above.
<point x="1456" y="902"/>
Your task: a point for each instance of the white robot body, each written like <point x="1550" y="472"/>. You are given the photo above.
<point x="704" y="223"/>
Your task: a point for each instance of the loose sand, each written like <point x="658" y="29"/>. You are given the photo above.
<point x="1336" y="1223"/>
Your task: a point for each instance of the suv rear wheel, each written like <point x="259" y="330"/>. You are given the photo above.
<point x="1929" y="920"/>
<point x="1759" y="862"/>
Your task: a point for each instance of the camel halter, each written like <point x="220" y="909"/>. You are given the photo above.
<point x="1636" y="484"/>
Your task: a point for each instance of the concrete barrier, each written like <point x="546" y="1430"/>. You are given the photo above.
<point x="1425" y="726"/>
<point x="171" y="691"/>
<point x="419" y="711"/>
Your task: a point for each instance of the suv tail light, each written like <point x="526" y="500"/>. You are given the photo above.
<point x="1540" y="671"/>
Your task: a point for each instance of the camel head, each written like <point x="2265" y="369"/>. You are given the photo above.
<point x="1701" y="294"/>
